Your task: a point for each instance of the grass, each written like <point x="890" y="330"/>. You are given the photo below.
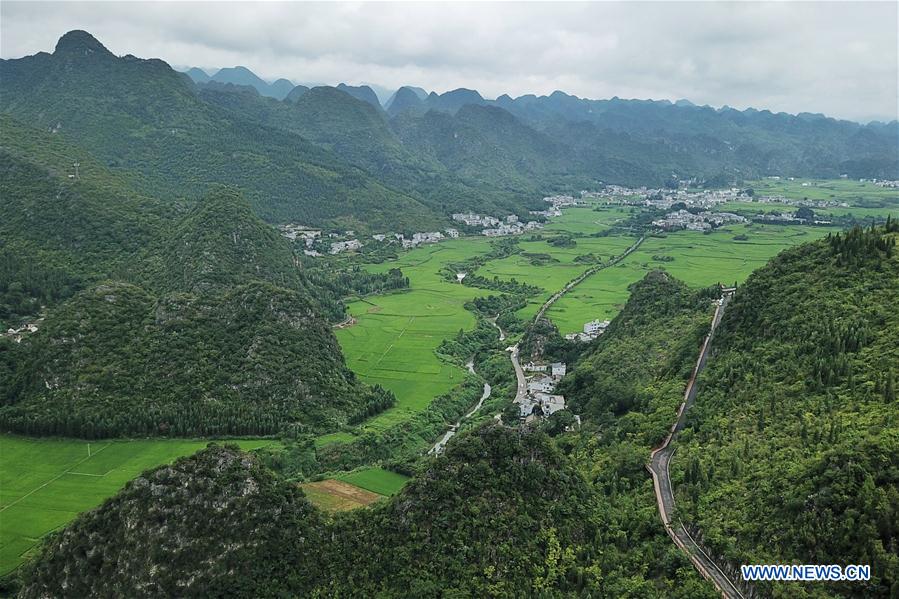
<point x="393" y="341"/>
<point x="699" y="260"/>
<point x="45" y="483"/>
<point x="376" y="480"/>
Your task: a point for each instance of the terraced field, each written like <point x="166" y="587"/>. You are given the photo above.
<point x="45" y="483"/>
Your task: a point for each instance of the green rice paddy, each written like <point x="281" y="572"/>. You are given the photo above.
<point x="393" y="341"/>
<point x="45" y="483"/>
<point x="376" y="480"/>
<point x="698" y="259"/>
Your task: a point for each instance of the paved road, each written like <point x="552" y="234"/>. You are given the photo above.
<point x="519" y="373"/>
<point x="658" y="467"/>
<point x="580" y="278"/>
<point x="438" y="447"/>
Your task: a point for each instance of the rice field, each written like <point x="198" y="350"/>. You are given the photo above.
<point x="376" y="480"/>
<point x="697" y="259"/>
<point x="393" y="341"/>
<point x="45" y="483"/>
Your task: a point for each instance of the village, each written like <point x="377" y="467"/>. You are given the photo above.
<point x="539" y="399"/>
<point x="316" y="244"/>
<point x="702" y="221"/>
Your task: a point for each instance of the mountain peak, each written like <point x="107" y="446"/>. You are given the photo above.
<point x="79" y="42"/>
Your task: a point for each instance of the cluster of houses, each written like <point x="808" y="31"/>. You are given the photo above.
<point x="294" y="231"/>
<point x="702" y="221"/>
<point x="345" y="246"/>
<point x="490" y="227"/>
<point x="17" y="334"/>
<point x="663" y="199"/>
<point x="540" y="401"/>
<point x="592" y="330"/>
<point x="476" y="220"/>
<point x="779" y="199"/>
<point x="512" y="226"/>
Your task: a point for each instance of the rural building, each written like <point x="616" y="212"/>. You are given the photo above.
<point x="541" y="383"/>
<point x="559" y="369"/>
<point x="595" y="327"/>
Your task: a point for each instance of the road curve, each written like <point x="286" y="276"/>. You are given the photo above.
<point x="519" y="373"/>
<point x="660" y="458"/>
<point x="438" y="447"/>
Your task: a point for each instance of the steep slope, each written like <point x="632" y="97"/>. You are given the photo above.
<point x="296" y="92"/>
<point x="216" y="523"/>
<point x="359" y="134"/>
<point x="215" y="334"/>
<point x="361" y="92"/>
<point x="244" y="76"/>
<point x="493" y="516"/>
<point x="792" y="456"/>
<point x="145" y="120"/>
<point x="404" y="99"/>
<point x="58" y="232"/>
<point x="198" y="75"/>
<point x="502" y="513"/>
<point x="486" y="147"/>
<point x="220" y="243"/>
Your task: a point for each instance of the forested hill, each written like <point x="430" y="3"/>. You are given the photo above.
<point x="155" y="321"/>
<point x="331" y="157"/>
<point x="146" y="121"/>
<point x="214" y="524"/>
<point x="792" y="451"/>
<point x="503" y="513"/>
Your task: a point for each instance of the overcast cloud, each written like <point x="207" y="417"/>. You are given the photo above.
<point x="831" y="57"/>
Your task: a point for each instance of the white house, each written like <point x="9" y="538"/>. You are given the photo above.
<point x="531" y="367"/>
<point x="550" y="403"/>
<point x="542" y="384"/>
<point x="596" y="327"/>
<point x="558" y="369"/>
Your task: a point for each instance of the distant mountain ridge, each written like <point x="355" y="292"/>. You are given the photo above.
<point x="409" y="165"/>
<point x="243" y="76"/>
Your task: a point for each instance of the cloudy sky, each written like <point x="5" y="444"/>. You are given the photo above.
<point x="831" y="57"/>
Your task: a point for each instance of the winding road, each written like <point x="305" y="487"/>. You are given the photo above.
<point x="519" y="373"/>
<point x="660" y="458"/>
<point x="438" y="447"/>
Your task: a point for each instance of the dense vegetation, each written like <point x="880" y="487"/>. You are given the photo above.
<point x="502" y="513"/>
<point x="210" y="329"/>
<point x="214" y="524"/>
<point x="791" y="455"/>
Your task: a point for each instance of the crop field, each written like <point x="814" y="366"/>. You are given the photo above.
<point x="586" y="220"/>
<point x="855" y="193"/>
<point x="393" y="341"/>
<point x="860" y="213"/>
<point x="553" y="275"/>
<point x="338" y="496"/>
<point x="376" y="480"/>
<point x="697" y="259"/>
<point x="45" y="483"/>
